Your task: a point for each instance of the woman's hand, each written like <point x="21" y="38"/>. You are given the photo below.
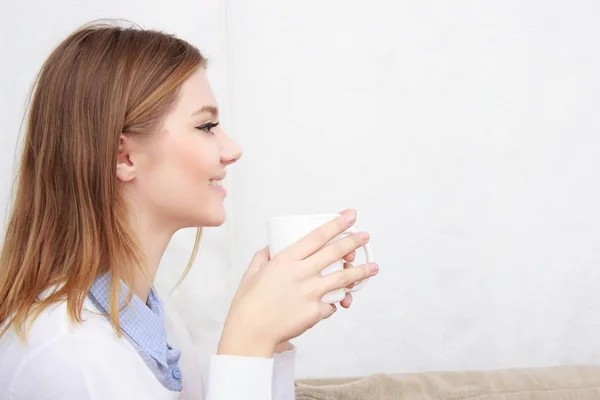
<point x="280" y="298"/>
<point x="346" y="302"/>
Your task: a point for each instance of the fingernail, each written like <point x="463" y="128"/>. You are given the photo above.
<point x="364" y="236"/>
<point x="350" y="218"/>
<point x="374" y="268"/>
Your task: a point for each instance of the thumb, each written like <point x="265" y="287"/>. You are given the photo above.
<point x="260" y="258"/>
<point x="327" y="310"/>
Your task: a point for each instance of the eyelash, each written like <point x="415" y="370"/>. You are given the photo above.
<point x="207" y="127"/>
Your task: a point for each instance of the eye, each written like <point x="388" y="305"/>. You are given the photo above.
<point x="207" y="127"/>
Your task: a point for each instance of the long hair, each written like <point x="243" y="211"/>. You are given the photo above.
<point x="68" y="221"/>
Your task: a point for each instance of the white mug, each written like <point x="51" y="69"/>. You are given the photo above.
<point x="285" y="230"/>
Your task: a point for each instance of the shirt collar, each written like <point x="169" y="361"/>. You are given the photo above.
<point x="142" y="323"/>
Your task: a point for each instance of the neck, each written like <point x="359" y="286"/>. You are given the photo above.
<point x="153" y="237"/>
<point x="153" y="242"/>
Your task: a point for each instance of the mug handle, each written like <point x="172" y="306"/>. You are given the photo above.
<point x="369" y="255"/>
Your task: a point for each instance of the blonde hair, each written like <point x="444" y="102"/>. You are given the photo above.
<point x="68" y="222"/>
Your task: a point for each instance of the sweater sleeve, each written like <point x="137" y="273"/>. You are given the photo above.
<point x="283" y="375"/>
<point x="237" y="377"/>
<point x="251" y="378"/>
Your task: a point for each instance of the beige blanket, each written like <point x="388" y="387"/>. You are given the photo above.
<point x="560" y="383"/>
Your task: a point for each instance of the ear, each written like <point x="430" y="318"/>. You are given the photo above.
<point x="125" y="167"/>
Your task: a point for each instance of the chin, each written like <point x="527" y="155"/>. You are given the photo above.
<point x="213" y="219"/>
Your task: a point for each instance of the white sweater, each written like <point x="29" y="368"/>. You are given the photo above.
<point x="88" y="361"/>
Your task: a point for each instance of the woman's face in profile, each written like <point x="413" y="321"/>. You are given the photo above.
<point x="175" y="174"/>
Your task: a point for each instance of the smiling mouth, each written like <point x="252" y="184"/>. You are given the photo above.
<point x="213" y="182"/>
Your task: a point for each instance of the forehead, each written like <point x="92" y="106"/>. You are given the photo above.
<point x="195" y="93"/>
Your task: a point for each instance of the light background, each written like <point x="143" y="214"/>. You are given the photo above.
<point x="465" y="133"/>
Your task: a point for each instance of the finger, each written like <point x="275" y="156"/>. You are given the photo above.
<point x="350" y="257"/>
<point x="347" y="301"/>
<point x="316" y="239"/>
<point x="260" y="258"/>
<point x="345" y="277"/>
<point x="348" y="211"/>
<point x="327" y="310"/>
<point x="349" y="265"/>
<point x="337" y="250"/>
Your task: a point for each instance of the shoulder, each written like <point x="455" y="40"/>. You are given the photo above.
<point x="54" y="328"/>
<point x="60" y="356"/>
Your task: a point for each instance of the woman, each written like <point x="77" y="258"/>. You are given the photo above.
<point x="123" y="148"/>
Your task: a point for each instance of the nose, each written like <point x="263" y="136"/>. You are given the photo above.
<point x="230" y="151"/>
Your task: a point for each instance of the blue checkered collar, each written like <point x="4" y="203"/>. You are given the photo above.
<point x="142" y="323"/>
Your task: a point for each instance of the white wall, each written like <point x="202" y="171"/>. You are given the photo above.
<point x="465" y="135"/>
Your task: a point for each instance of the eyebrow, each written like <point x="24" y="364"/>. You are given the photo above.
<point x="209" y="109"/>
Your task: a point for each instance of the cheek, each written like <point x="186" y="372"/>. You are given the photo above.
<point x="187" y="164"/>
<point x="177" y="182"/>
<point x="181" y="156"/>
<point x="196" y="161"/>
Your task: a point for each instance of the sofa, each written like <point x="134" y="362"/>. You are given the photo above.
<point x="556" y="383"/>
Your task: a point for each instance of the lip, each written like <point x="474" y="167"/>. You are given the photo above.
<point x="219" y="189"/>
<point x="219" y="178"/>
